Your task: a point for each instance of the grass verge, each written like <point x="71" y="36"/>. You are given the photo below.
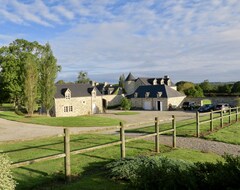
<point x="127" y="113"/>
<point x="80" y="121"/>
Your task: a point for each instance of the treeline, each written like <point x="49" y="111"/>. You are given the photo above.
<point x="27" y="74"/>
<point x="208" y="89"/>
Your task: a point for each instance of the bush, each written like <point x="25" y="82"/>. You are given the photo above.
<point x="18" y="112"/>
<point x="6" y="179"/>
<point x="164" y="173"/>
<point x="126" y="104"/>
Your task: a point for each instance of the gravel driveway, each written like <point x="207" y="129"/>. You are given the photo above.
<point x="15" y="131"/>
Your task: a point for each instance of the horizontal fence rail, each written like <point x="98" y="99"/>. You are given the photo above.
<point x="122" y="142"/>
<point x="231" y="112"/>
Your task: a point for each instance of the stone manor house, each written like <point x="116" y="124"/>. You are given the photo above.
<point x="145" y="93"/>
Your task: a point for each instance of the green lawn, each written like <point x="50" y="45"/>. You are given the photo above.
<point x="229" y="134"/>
<point x="80" y="121"/>
<point x="87" y="168"/>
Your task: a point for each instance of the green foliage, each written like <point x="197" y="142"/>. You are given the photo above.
<point x="121" y="81"/>
<point x="6" y="178"/>
<point x="83" y="77"/>
<point x="126" y="104"/>
<point x="48" y="74"/>
<point x="30" y="84"/>
<point x="226" y="88"/>
<point x="164" y="173"/>
<point x="184" y="85"/>
<point x="190" y="89"/>
<point x="207" y="87"/>
<point x="236" y="87"/>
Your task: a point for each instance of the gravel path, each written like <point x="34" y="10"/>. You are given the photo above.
<point x="199" y="144"/>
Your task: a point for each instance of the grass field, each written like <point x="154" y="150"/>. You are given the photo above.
<point x="87" y="168"/>
<point x="80" y="121"/>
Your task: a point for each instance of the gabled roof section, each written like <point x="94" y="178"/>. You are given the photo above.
<point x="130" y="77"/>
<point x="167" y="92"/>
<point x="77" y="90"/>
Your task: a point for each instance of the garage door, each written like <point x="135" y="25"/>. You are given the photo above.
<point x="147" y="105"/>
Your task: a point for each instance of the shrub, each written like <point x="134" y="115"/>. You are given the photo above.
<point x="6" y="179"/>
<point x="164" y="173"/>
<point x="18" y="112"/>
<point x="126" y="104"/>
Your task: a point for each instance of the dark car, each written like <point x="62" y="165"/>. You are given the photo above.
<point x="188" y="105"/>
<point x="206" y="108"/>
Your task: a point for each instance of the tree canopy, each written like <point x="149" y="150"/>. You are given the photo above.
<point x="15" y="61"/>
<point x="82" y="77"/>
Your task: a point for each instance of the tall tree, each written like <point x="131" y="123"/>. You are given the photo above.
<point x="83" y="77"/>
<point x="236" y="87"/>
<point x="121" y="81"/>
<point x="12" y="60"/>
<point x="30" y="84"/>
<point x="48" y="74"/>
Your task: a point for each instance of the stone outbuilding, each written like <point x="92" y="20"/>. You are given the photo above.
<point x="76" y="100"/>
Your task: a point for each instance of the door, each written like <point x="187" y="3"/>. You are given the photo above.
<point x="147" y="105"/>
<point x="94" y="108"/>
<point x="159" y="105"/>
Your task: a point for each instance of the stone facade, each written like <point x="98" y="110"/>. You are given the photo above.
<point x="78" y="106"/>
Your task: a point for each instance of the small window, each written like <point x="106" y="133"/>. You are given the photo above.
<point x="147" y="94"/>
<point x="70" y="108"/>
<point x="84" y="102"/>
<point x="159" y="94"/>
<point x="65" y="109"/>
<point x="135" y="95"/>
<point x="68" y="95"/>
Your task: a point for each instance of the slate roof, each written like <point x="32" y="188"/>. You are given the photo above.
<point x="149" y="81"/>
<point x="167" y="92"/>
<point x="130" y="77"/>
<point x="77" y="90"/>
<point x="104" y="88"/>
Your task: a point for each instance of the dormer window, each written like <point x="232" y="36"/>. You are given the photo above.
<point x="94" y="94"/>
<point x="147" y="94"/>
<point x="68" y="94"/>
<point x="161" y="81"/>
<point x="135" y="95"/>
<point x="159" y="94"/>
<point x="155" y="82"/>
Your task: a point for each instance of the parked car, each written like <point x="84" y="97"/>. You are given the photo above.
<point x="222" y="107"/>
<point x="206" y="108"/>
<point x="188" y="105"/>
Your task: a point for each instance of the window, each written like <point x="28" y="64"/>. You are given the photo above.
<point x="147" y="94"/>
<point x="155" y="82"/>
<point x="68" y="94"/>
<point x="68" y="108"/>
<point x="84" y="102"/>
<point x="159" y="94"/>
<point x="135" y="95"/>
<point x="65" y="109"/>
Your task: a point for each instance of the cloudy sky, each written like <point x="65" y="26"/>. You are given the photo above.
<point x="189" y="40"/>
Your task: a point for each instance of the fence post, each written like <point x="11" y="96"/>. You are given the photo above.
<point x="157" y="135"/>
<point x="221" y="116"/>
<point x="67" y="160"/>
<point x="122" y="139"/>
<point x="211" y="123"/>
<point x="236" y="114"/>
<point x="197" y="124"/>
<point x="174" y="131"/>
<point x="230" y="112"/>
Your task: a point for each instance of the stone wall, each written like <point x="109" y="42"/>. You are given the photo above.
<point x="113" y="100"/>
<point x="80" y="106"/>
<point x="176" y="102"/>
<point x="233" y="101"/>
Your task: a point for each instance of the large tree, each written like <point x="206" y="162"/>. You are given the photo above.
<point x="48" y="74"/>
<point x="12" y="61"/>
<point x="30" y="84"/>
<point x="236" y="87"/>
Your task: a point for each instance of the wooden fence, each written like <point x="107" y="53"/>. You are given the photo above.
<point x="231" y="112"/>
<point x="122" y="142"/>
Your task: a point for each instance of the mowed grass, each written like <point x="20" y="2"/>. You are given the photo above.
<point x="87" y="168"/>
<point x="229" y="134"/>
<point x="80" y="121"/>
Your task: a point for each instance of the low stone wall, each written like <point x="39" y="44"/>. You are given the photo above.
<point x="233" y="101"/>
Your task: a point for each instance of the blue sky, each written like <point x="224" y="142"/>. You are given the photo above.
<point x="189" y="40"/>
